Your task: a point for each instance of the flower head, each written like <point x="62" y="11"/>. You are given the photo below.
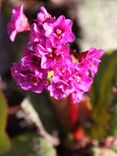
<point x="47" y="62"/>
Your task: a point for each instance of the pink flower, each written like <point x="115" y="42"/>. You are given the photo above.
<point x="44" y="16"/>
<point x="28" y="79"/>
<point x="81" y="82"/>
<point x="37" y="35"/>
<point x="34" y="62"/>
<point x="91" y="59"/>
<point x="60" y="30"/>
<point x="18" y="22"/>
<point x="69" y="79"/>
<point x="77" y="96"/>
<point x="52" y="55"/>
<point x="60" y="86"/>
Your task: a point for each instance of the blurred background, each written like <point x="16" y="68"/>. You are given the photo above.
<point x="38" y="125"/>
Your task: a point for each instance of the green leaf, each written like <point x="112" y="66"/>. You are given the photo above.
<point x="30" y="144"/>
<point x="113" y="121"/>
<point x="4" y="140"/>
<point x="45" y="148"/>
<point x="43" y="106"/>
<point x="102" y="93"/>
<point x="96" y="151"/>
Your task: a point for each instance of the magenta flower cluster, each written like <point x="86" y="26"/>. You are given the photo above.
<point x="47" y="62"/>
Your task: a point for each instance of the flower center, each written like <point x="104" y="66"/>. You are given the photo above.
<point x="58" y="31"/>
<point x="33" y="79"/>
<point x="46" y="17"/>
<point x="25" y="72"/>
<point x="52" y="54"/>
<point x="36" y="61"/>
<point x="50" y="74"/>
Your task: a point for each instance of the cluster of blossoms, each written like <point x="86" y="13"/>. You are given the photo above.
<point x="47" y="62"/>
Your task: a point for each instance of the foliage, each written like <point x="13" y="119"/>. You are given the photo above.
<point x="113" y="121"/>
<point x="4" y="140"/>
<point x="30" y="145"/>
<point x="45" y="148"/>
<point x="102" y="94"/>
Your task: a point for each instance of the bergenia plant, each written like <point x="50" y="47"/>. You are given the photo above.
<point x="47" y="63"/>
